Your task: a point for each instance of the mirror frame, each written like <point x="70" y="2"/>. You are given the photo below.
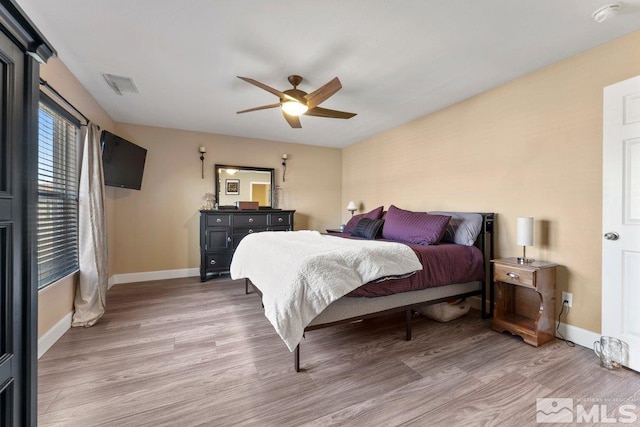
<point x="271" y="171"/>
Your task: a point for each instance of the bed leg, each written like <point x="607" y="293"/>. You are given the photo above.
<point x="296" y="358"/>
<point x="246" y="286"/>
<point x="407" y="320"/>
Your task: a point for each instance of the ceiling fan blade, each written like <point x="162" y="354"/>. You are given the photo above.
<point x="323" y="93"/>
<point x="294" y="121"/>
<point x="331" y="114"/>
<point x="276" y="92"/>
<point x="264" y="107"/>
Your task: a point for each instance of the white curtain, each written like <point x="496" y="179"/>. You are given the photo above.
<point x="91" y="289"/>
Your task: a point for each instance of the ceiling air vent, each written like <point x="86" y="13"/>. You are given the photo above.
<point x="120" y="84"/>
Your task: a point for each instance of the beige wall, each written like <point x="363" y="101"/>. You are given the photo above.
<point x="157" y="228"/>
<point x="56" y="300"/>
<point x="532" y="147"/>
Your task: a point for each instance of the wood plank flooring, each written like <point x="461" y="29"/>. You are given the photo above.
<point x="182" y="352"/>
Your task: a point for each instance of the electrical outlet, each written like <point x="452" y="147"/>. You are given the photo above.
<point x="568" y="297"/>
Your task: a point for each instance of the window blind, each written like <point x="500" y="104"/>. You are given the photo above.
<point x="58" y="134"/>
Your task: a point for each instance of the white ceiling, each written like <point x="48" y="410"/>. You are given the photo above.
<point x="397" y="60"/>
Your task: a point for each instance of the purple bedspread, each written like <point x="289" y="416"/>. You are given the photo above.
<point x="443" y="264"/>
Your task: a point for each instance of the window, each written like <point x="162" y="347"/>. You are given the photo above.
<point x="58" y="134"/>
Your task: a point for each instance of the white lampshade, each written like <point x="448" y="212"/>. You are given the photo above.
<point x="525" y="231"/>
<point x="352" y="206"/>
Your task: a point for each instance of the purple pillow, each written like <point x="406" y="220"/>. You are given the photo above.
<point x="414" y="227"/>
<point x="374" y="214"/>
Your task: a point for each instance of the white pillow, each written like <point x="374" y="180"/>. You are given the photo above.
<point x="463" y="229"/>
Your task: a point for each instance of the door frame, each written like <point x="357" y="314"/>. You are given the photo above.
<point x="17" y="26"/>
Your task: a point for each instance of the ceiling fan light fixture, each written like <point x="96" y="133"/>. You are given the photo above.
<point x="294" y="108"/>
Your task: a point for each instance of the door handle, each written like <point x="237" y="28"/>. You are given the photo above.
<point x="612" y="235"/>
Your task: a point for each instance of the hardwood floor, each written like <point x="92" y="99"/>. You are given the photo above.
<point x="182" y="352"/>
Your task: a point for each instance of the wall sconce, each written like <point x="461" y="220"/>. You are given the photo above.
<point x="284" y="166"/>
<point x="525" y="237"/>
<point x="351" y="207"/>
<point x="202" y="150"/>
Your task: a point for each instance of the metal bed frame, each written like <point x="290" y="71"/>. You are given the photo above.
<point x="484" y="242"/>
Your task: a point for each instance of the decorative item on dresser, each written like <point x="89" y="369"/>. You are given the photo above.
<point x="526" y="299"/>
<point x="221" y="231"/>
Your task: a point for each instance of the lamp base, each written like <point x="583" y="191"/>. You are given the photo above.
<point x="523" y="259"/>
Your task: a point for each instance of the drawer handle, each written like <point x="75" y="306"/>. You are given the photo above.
<point x="513" y="275"/>
<point x="250" y="231"/>
<point x="218" y="220"/>
<point x="229" y="239"/>
<point x="213" y="261"/>
<point x="280" y="219"/>
<point x="250" y="219"/>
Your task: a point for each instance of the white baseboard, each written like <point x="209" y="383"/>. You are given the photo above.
<point x="54" y="334"/>
<point x="579" y="336"/>
<point x="119" y="279"/>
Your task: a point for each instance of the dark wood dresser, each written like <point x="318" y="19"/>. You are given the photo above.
<point x="222" y="230"/>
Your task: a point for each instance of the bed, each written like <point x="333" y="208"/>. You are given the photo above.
<point x="402" y="292"/>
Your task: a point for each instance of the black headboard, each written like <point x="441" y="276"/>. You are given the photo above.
<point x="484" y="242"/>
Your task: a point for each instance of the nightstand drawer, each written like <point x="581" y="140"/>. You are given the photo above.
<point x="514" y="275"/>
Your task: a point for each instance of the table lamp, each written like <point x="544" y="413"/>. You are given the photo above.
<point x="525" y="237"/>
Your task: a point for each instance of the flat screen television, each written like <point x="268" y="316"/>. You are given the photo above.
<point x="122" y="161"/>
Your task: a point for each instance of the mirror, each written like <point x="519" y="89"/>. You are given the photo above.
<point x="244" y="184"/>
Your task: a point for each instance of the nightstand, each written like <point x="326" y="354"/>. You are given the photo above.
<point x="526" y="299"/>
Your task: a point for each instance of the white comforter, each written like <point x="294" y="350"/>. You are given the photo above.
<point x="301" y="272"/>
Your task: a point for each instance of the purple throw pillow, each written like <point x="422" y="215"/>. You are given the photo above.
<point x="414" y="227"/>
<point x="374" y="214"/>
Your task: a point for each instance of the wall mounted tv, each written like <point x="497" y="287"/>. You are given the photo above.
<point x="122" y="161"/>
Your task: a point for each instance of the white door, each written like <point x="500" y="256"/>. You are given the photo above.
<point x="621" y="216"/>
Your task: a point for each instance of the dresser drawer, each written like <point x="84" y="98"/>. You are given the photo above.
<point x="514" y="275"/>
<point x="240" y="233"/>
<point x="249" y="220"/>
<point x="278" y="220"/>
<point x="218" y="220"/>
<point x="218" y="261"/>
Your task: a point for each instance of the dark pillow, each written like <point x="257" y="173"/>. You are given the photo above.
<point x="368" y="228"/>
<point x="374" y="214"/>
<point x="414" y="227"/>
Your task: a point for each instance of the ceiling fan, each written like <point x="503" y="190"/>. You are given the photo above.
<point x="295" y="102"/>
